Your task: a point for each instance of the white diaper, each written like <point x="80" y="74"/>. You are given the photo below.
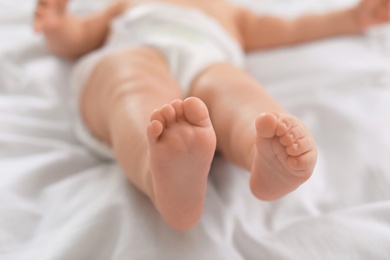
<point x="190" y="41"/>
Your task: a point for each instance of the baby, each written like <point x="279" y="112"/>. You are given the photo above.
<point x="160" y="87"/>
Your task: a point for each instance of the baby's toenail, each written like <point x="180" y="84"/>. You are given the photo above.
<point x="292" y="137"/>
<point x="285" y="124"/>
<point x="295" y="146"/>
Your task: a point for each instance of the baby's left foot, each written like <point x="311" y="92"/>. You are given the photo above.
<point x="284" y="156"/>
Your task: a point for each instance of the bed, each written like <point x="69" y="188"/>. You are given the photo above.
<point x="58" y="201"/>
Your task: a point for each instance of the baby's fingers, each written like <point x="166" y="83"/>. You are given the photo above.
<point x="38" y="27"/>
<point x="384" y="12"/>
<point x="388" y="11"/>
<point x="38" y="19"/>
<point x="45" y="3"/>
<point x="61" y="4"/>
<point x="41" y="13"/>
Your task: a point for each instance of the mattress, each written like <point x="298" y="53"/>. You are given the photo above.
<point x="58" y="201"/>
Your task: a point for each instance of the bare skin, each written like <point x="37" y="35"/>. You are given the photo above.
<point x="181" y="147"/>
<point x="165" y="144"/>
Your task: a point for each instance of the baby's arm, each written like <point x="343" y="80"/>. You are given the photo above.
<point x="71" y="36"/>
<point x="261" y="32"/>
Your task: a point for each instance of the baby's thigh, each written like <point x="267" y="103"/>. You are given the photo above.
<point x="120" y="76"/>
<point x="129" y="64"/>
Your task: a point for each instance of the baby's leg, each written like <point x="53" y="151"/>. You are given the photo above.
<point x="255" y="132"/>
<point x="164" y="145"/>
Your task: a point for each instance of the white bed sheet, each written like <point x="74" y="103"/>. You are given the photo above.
<point x="59" y="202"/>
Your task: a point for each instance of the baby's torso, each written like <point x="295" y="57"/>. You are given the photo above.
<point x="222" y="12"/>
<point x="189" y="38"/>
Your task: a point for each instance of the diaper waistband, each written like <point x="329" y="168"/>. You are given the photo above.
<point x="158" y="19"/>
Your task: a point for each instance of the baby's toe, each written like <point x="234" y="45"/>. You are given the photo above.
<point x="292" y="136"/>
<point x="178" y="106"/>
<point x="299" y="147"/>
<point x="156" y="115"/>
<point x="266" y="125"/>
<point x="154" y="130"/>
<point x="169" y="114"/>
<point x="196" y="112"/>
<point x="285" y="123"/>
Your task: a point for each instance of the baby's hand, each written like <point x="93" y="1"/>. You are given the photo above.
<point x="48" y="14"/>
<point x="372" y="12"/>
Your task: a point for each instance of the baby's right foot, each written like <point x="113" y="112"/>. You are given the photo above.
<point x="182" y="143"/>
<point x="49" y="15"/>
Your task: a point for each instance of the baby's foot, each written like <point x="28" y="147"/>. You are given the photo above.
<point x="284" y="157"/>
<point x="182" y="143"/>
<point x="49" y="15"/>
